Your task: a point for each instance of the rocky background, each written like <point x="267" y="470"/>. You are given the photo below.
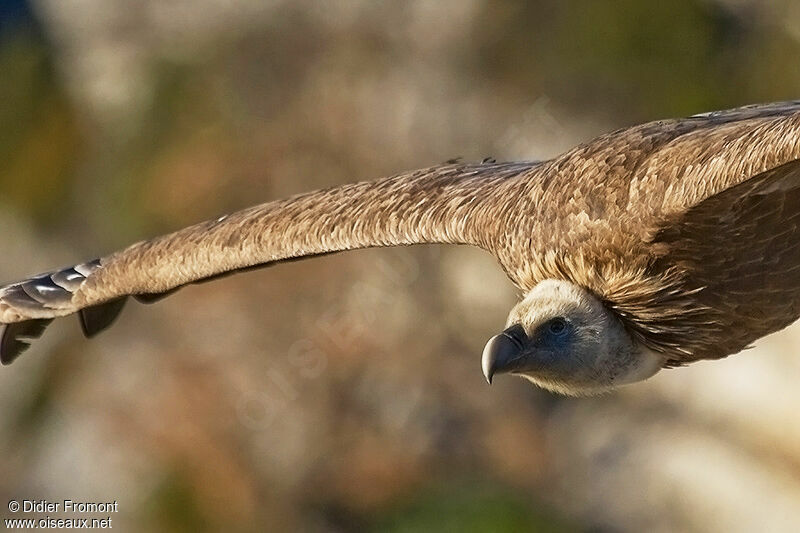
<point x="345" y="393"/>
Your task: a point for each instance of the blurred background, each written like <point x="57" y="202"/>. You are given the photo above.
<point x="345" y="393"/>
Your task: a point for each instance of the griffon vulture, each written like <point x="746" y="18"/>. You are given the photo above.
<point x="649" y="247"/>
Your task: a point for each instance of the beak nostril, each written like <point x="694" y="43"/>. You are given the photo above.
<point x="516" y="333"/>
<point x="502" y="352"/>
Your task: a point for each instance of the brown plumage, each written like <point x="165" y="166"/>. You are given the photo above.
<point x="685" y="231"/>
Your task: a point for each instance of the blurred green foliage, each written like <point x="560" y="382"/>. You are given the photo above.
<point x="469" y="507"/>
<point x="39" y="142"/>
<point x="173" y="506"/>
<point x="640" y="60"/>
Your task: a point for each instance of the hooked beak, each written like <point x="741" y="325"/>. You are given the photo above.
<point x="503" y="352"/>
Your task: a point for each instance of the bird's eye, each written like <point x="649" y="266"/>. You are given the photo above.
<point x="557" y="326"/>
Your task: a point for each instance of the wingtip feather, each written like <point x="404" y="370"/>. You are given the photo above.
<point x="17" y="338"/>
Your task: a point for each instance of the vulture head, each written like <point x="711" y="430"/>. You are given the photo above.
<point x="562" y="338"/>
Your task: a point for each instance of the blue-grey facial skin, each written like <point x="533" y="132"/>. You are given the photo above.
<point x="572" y="344"/>
<point x="549" y="344"/>
<point x="554" y="350"/>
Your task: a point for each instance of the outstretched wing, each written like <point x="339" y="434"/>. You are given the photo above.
<point x="741" y="249"/>
<point x="444" y="204"/>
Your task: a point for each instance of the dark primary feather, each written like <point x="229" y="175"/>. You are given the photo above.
<point x="17" y="338"/>
<point x="686" y="229"/>
<point x="96" y="318"/>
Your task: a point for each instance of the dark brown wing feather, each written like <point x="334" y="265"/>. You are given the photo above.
<point x="741" y="247"/>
